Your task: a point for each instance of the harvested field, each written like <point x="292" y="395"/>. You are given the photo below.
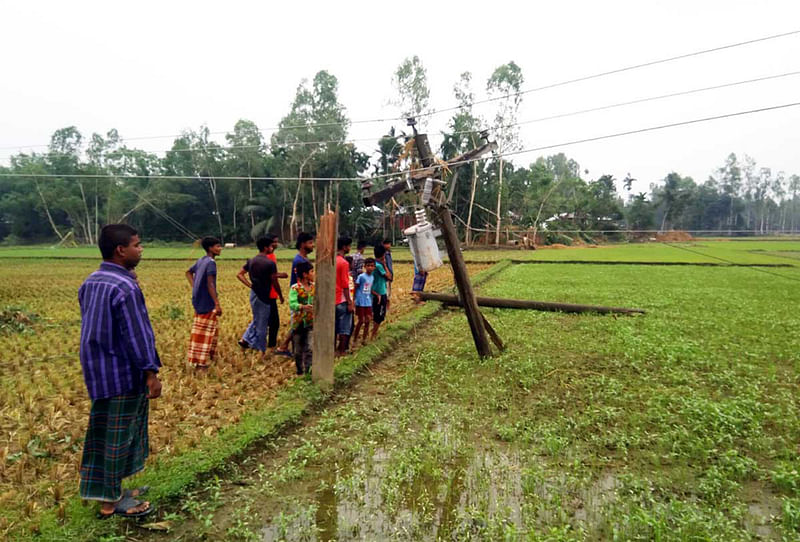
<point x="44" y="403"/>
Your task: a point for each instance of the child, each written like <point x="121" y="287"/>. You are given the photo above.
<point x="387" y="264"/>
<point x="364" y="299"/>
<point x="205" y="327"/>
<point x="358" y="259"/>
<point x="344" y="302"/>
<point x="420" y="277"/>
<point x="379" y="297"/>
<point x="304" y="246"/>
<point x="301" y="302"/>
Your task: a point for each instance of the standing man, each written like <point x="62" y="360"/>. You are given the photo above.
<point x="387" y="245"/>
<point x="263" y="275"/>
<point x="202" y="276"/>
<point x="305" y="246"/>
<point x="344" y="302"/>
<point x="120" y="368"/>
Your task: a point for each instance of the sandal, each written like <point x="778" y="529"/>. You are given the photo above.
<point x="283" y="353"/>
<point x="122" y="506"/>
<point x="139" y="492"/>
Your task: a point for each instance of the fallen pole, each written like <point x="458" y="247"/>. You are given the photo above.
<point x="500" y="303"/>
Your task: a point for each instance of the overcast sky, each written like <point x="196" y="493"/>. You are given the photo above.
<point x="152" y="68"/>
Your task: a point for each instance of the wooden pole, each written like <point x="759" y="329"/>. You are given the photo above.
<point x="465" y="290"/>
<point x="324" y="301"/>
<point x="460" y="274"/>
<point x="526" y="304"/>
<point x="498" y="342"/>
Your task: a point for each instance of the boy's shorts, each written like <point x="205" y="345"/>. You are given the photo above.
<point x="344" y="320"/>
<point x="364" y="313"/>
<point x="378" y="308"/>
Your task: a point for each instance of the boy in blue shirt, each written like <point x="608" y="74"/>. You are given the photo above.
<point x="379" y="294"/>
<point x="205" y="327"/>
<point x="363" y="285"/>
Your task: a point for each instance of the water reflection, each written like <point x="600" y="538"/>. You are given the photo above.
<point x="362" y="501"/>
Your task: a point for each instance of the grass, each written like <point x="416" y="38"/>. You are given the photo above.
<point x="172" y="477"/>
<point x="43" y="401"/>
<point x="678" y="425"/>
<point x="699" y="251"/>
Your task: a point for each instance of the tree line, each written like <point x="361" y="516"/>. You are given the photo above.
<point x="188" y="191"/>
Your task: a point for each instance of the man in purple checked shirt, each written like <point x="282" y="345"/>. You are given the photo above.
<point x="120" y="368"/>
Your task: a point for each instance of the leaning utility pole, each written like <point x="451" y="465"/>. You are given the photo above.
<point x="465" y="291"/>
<point x="431" y="172"/>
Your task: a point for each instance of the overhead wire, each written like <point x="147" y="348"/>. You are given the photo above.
<point x="520" y="123"/>
<point x="487" y="100"/>
<point x="435" y="166"/>
<point x="641" y="100"/>
<point x="615" y="71"/>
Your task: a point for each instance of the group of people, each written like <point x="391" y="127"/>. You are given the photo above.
<point x="118" y="353"/>
<point x="363" y="292"/>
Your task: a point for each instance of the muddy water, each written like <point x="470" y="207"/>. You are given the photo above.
<point x="350" y="502"/>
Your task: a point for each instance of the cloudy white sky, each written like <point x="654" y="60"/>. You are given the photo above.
<point x="152" y="68"/>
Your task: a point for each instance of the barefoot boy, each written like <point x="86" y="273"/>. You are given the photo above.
<point x="364" y="299"/>
<point x="379" y="297"/>
<point x="202" y="276"/>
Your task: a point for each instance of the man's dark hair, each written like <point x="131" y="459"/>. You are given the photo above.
<point x="209" y="242"/>
<point x="302" y="268"/>
<point x="379" y="251"/>
<point x="386" y="242"/>
<point x="361" y="244"/>
<point x="303" y="237"/>
<point x="113" y="236"/>
<point x="265" y="241"/>
<point x="368" y="261"/>
<point x="343" y="242"/>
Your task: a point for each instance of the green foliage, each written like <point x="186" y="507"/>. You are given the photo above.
<point x="15" y="319"/>
<point x="675" y="425"/>
<point x="311" y="141"/>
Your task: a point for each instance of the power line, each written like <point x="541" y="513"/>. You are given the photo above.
<point x="402" y="173"/>
<point x="615" y="71"/>
<point x="487" y="100"/>
<point x="643" y="100"/>
<point x="531" y="121"/>
<point x="185" y="177"/>
<point x="216" y="147"/>
<point x="630" y="132"/>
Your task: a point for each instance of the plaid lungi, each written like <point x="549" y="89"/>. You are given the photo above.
<point x="116" y="446"/>
<point x="203" y="342"/>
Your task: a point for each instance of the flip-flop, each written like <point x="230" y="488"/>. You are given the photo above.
<point x="125" y="504"/>
<point x="283" y="353"/>
<point x="129" y="492"/>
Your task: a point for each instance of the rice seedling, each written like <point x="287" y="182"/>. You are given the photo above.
<point x="43" y="402"/>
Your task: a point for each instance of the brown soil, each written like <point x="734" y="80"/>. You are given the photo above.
<point x="674" y="236"/>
